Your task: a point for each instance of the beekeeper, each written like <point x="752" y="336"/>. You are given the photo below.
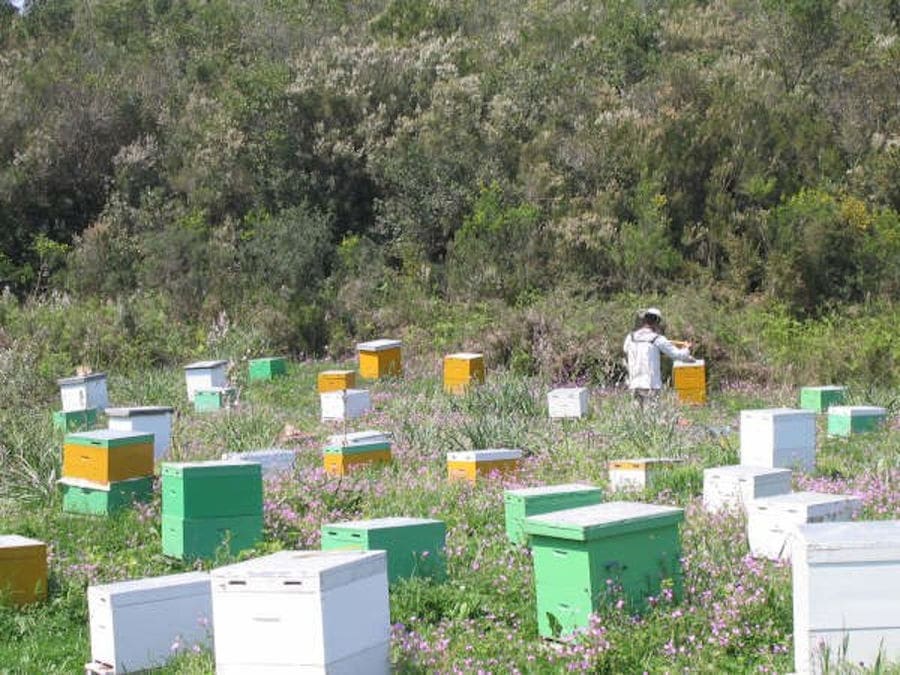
<point x="642" y="348"/>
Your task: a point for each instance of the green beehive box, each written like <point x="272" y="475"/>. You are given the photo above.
<point x="207" y="400"/>
<point x="188" y="538"/>
<point x="97" y="499"/>
<point x="821" y="398"/>
<point x="580" y="554"/>
<point x="268" y="368"/>
<point x="855" y="419"/>
<point x="211" y="489"/>
<point x="74" y="420"/>
<point x="415" y="546"/>
<point x="519" y="504"/>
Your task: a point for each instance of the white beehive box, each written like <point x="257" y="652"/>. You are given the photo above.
<point x="303" y="612"/>
<point x="345" y="405"/>
<point x="83" y="392"/>
<point x="356" y="438"/>
<point x="135" y="623"/>
<point x="772" y="521"/>
<point x="638" y="473"/>
<point x="846" y="587"/>
<point x="205" y="375"/>
<point x="733" y="487"/>
<point x="156" y="420"/>
<point x="274" y="461"/>
<point x="567" y="402"/>
<point x="489" y="455"/>
<point x="779" y="437"/>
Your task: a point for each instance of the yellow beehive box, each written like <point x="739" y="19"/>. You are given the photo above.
<point x="462" y="370"/>
<point x="469" y="465"/>
<point x="689" y="381"/>
<point x="336" y="380"/>
<point x="23" y="569"/>
<point x="339" y="464"/>
<point x="106" y="456"/>
<point x="639" y="473"/>
<point x="379" y="358"/>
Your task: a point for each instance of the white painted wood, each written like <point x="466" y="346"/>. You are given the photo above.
<point x="83" y="392"/>
<point x="345" y="405"/>
<point x="205" y="375"/>
<point x="779" y="437"/>
<point x="492" y="455"/>
<point x="156" y="420"/>
<point x="134" y="624"/>
<point x="303" y="612"/>
<point x="381" y="345"/>
<point x="640" y="473"/>
<point x="734" y="487"/>
<point x="568" y="402"/>
<point x="358" y="438"/>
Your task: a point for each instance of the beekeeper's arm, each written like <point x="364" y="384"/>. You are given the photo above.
<point x="673" y="352"/>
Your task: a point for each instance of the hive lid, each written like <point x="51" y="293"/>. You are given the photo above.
<point x="601" y="520"/>
<point x="381" y="523"/>
<point x="335" y="373"/>
<point x="81" y="379"/>
<point x="315" y="570"/>
<point x="267" y="359"/>
<point x="567" y="391"/>
<point x="151" y="589"/>
<point x="772" y="412"/>
<point x="826" y="387"/>
<point x="802" y="502"/>
<point x="850" y="541"/>
<point x="465" y="356"/>
<point x="14" y="546"/>
<point x="216" y="467"/>
<point x="857" y="411"/>
<point x="491" y="455"/>
<point x="565" y="488"/>
<point x="205" y="365"/>
<point x="358" y="438"/>
<point x="214" y="390"/>
<point x="139" y="411"/>
<point x="267" y="453"/>
<point x="641" y="462"/>
<point x="109" y="438"/>
<point x="378" y="345"/>
<point x="100" y="487"/>
<point x="740" y="471"/>
<point x="696" y="363"/>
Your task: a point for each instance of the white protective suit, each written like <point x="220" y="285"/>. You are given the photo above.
<point x="642" y="348"/>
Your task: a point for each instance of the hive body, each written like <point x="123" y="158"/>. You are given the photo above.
<point x="524" y="502"/>
<point x="379" y="358"/>
<point x="23" y="570"/>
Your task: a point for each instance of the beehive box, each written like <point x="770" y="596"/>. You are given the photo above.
<point x="576" y="551"/>
<point x="211" y="489"/>
<point x="855" y="419"/>
<point x="23" y="570"/>
<point x="303" y="612"/>
<point x="734" y="487"/>
<point x="778" y="438"/>
<point x="83" y="392"/>
<point x="149" y="419"/>
<point x="820" y="399"/>
<point x="135" y="623"/>
<point x="414" y="546"/>
<point x="689" y="381"/>
<point x="193" y="538"/>
<point x="107" y="456"/>
<point x="772" y="521"/>
<point x="462" y="370"/>
<point x="471" y="464"/>
<point x="267" y="368"/>
<point x="274" y="461"/>
<point x="335" y="380"/>
<point x="524" y="502"/>
<point x="846" y="579"/>
<point x="343" y="452"/>
<point x="567" y="402"/>
<point x="379" y="358"/>
<point x="205" y="375"/>
<point x="74" y="420"/>
<point x="102" y="499"/>
<point x="217" y="398"/>
<point x="348" y="404"/>
<point x="639" y="473"/>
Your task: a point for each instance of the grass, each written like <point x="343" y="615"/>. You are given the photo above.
<point x="735" y="615"/>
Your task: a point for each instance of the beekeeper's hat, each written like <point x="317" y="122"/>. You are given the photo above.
<point x="653" y="311"/>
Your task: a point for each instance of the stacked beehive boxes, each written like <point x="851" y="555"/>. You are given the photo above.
<point x="303" y="612"/>
<point x="156" y="420"/>
<point x="205" y="376"/>
<point x="734" y="487"/>
<point x="135" y="624"/>
<point x="105" y="470"/>
<point x="778" y="438"/>
<point x="855" y="419"/>
<point x="470" y="464"/>
<point x="772" y="521"/>
<point x="689" y="381"/>
<point x="23" y="569"/>
<point x="273" y="461"/>
<point x="82" y="396"/>
<point x="567" y="402"/>
<point x="640" y="473"/>
<point x="581" y="555"/>
<point x="462" y="370"/>
<point x="206" y="505"/>
<point x="414" y="546"/>
<point x="347" y="404"/>
<point x="819" y="399"/>
<point x="214" y="398"/>
<point x="267" y="368"/>
<point x="335" y="380"/>
<point x="846" y="579"/>
<point x="524" y="502"/>
<point x="343" y="452"/>
<point x="379" y="358"/>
